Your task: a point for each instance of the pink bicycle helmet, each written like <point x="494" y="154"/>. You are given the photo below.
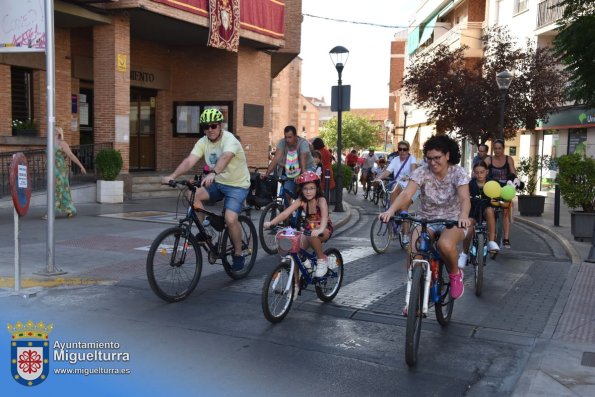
<point x="306" y="177"/>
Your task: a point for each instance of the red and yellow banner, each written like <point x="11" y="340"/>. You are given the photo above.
<point x="266" y="17"/>
<point x="224" y="24"/>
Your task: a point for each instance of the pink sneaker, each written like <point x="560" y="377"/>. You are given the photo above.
<point x="456" y="284"/>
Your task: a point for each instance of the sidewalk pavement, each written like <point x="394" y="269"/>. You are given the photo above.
<point x="563" y="359"/>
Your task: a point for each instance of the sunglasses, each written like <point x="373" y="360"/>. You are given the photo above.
<point x="210" y="126"/>
<point x="403" y="149"/>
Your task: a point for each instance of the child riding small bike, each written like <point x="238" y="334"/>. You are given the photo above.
<point x="317" y="226"/>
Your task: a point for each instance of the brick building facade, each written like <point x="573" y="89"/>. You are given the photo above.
<point x="138" y="72"/>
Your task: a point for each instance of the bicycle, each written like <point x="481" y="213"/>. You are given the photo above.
<point x="381" y="233"/>
<point x="367" y="186"/>
<point x="352" y="187"/>
<point x="478" y="252"/>
<point x="174" y="262"/>
<point x="278" y="290"/>
<point x="271" y="210"/>
<point x="427" y="283"/>
<point x="499" y="206"/>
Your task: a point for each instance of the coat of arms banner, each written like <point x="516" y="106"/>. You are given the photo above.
<point x="224" y="24"/>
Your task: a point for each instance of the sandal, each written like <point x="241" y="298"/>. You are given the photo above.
<point x="506" y="243"/>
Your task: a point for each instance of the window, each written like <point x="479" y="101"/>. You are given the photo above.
<point x="22" y="94"/>
<point x="512" y="150"/>
<point x="520" y="5"/>
<point x="187" y="117"/>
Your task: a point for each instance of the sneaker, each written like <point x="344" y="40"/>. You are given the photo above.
<point x="506" y="243"/>
<point x="332" y="264"/>
<point x="321" y="267"/>
<point x="463" y="260"/>
<point x="237" y="263"/>
<point x="493" y="246"/>
<point x="456" y="285"/>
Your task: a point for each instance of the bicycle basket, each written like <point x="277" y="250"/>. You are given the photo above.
<point x="288" y="241"/>
<point x="218" y="222"/>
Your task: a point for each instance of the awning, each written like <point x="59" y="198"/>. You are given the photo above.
<point x="428" y="30"/>
<point x="446" y="9"/>
<point x="413" y="41"/>
<point x="569" y="118"/>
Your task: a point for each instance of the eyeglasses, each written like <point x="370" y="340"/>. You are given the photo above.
<point x="434" y="159"/>
<point x="308" y="189"/>
<point x="211" y="126"/>
<point x="403" y="149"/>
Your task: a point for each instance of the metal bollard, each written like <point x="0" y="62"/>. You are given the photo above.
<point x="557" y="204"/>
<point x="591" y="257"/>
<point x="327" y="185"/>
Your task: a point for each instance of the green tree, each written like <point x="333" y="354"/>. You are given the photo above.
<point x="462" y="96"/>
<point x="356" y="132"/>
<point x="575" y="46"/>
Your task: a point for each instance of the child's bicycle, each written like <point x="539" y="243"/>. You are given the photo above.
<point x="478" y="252"/>
<point x="427" y="283"/>
<point x="278" y="290"/>
<point x="268" y="240"/>
<point x="174" y="263"/>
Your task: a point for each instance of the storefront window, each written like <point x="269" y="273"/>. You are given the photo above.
<point x="187" y="117"/>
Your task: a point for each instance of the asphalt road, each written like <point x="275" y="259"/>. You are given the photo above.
<point x="218" y="343"/>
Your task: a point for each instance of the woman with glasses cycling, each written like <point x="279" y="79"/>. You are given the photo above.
<point x="444" y="193"/>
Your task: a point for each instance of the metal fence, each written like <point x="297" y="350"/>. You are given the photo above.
<point x="37" y="164"/>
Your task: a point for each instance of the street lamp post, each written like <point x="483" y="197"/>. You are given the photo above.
<point x="339" y="57"/>
<point x="503" y="79"/>
<point x="406" y="109"/>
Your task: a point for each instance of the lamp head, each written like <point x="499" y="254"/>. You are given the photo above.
<point x="407" y="106"/>
<point x="339" y="55"/>
<point x="504" y="79"/>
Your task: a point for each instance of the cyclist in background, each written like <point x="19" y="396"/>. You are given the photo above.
<point x="444" y="194"/>
<point x="294" y="155"/>
<point x="368" y="164"/>
<point x="480" y="177"/>
<point x="228" y="179"/>
<point x="502" y="169"/>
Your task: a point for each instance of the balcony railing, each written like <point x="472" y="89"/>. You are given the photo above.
<point x="37" y="164"/>
<point x="549" y="13"/>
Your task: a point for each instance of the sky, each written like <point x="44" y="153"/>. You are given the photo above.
<point x="367" y="68"/>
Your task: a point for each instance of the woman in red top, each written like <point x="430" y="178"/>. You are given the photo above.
<point x="327" y="159"/>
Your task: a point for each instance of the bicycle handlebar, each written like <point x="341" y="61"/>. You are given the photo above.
<point x="423" y="221"/>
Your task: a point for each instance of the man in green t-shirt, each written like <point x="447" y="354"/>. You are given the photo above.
<point x="229" y="179"/>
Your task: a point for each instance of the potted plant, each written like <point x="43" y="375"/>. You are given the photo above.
<point x="576" y="176"/>
<point x="24" y="127"/>
<point x="531" y="204"/>
<point x="108" y="164"/>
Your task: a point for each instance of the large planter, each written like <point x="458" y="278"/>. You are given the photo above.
<point x="581" y="225"/>
<point x="531" y="205"/>
<point x="110" y="191"/>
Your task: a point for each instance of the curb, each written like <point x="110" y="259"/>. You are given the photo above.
<point x="341" y="222"/>
<point x="8" y="282"/>
<point x="568" y="247"/>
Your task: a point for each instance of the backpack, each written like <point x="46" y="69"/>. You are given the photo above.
<point x="262" y="192"/>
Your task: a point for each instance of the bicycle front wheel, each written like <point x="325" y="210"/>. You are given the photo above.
<point x="380" y="235"/>
<point x="478" y="263"/>
<point x="354" y="190"/>
<point x="267" y="236"/>
<point x="414" y="317"/>
<point x="249" y="249"/>
<point x="174" y="264"/>
<point x="276" y="299"/>
<point x="328" y="286"/>
<point x="445" y="304"/>
<point x="376" y="196"/>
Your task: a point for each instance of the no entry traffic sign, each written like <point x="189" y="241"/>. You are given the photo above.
<point x="20" y="183"/>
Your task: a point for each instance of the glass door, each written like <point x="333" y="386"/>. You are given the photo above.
<point x="142" y="129"/>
